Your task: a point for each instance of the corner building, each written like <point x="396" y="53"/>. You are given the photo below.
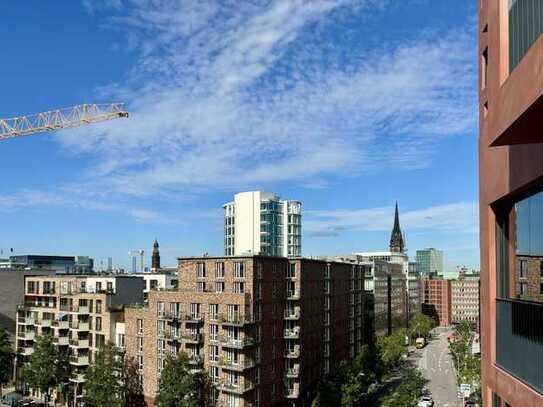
<point x="511" y="201"/>
<point x="264" y="328"/>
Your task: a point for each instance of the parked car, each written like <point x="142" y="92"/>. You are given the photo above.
<point x="426" y="401"/>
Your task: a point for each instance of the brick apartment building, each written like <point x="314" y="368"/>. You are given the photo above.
<point x="437" y="299"/>
<point x="264" y="328"/>
<point x="465" y="298"/>
<point x="80" y="312"/>
<point x="511" y="201"/>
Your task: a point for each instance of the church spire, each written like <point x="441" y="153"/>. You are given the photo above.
<point x="396" y="238"/>
<point x="155" y="260"/>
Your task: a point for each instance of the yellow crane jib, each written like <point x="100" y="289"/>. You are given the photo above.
<point x="60" y="119"/>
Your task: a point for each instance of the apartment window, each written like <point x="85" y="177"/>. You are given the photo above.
<point x="195" y="310"/>
<point x="201" y="286"/>
<point x="213" y="311"/>
<point x="100" y="340"/>
<point x="98" y="286"/>
<point x="214" y="373"/>
<point x="201" y="270"/>
<point x="213" y="353"/>
<point x="496" y="400"/>
<point x="120" y="340"/>
<point x="140" y="344"/>
<point x="291" y="270"/>
<point x="109" y="286"/>
<point x="239" y="287"/>
<point x="213" y="331"/>
<point x="541" y="269"/>
<point x="153" y="284"/>
<point x="160" y="309"/>
<point x="219" y="270"/>
<point x="239" y="269"/>
<point x="98" y="326"/>
<point x="140" y="326"/>
<point x="98" y="306"/>
<point x="523" y="268"/>
<point x="140" y="362"/>
<point x="219" y="286"/>
<point x="484" y="70"/>
<point x="525" y="26"/>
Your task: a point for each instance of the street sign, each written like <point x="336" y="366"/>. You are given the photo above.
<point x="465" y="387"/>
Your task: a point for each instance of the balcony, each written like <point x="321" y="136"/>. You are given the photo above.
<point x="61" y="324"/>
<point x="80" y="326"/>
<point x="194" y="318"/>
<point x="236" y="319"/>
<point x="292" y="314"/>
<point x="26" y="336"/>
<point x="45" y="323"/>
<point x="240" y="366"/>
<point x="26" y="351"/>
<point x="82" y="310"/>
<point x="165" y="335"/>
<point x="293" y="392"/>
<point x="229" y="342"/>
<point x="195" y="360"/>
<point x="169" y="316"/>
<point x="193" y="338"/>
<point x="61" y="340"/>
<point x="292" y="333"/>
<point x="79" y="343"/>
<point x="519" y="340"/>
<point x="293" y="372"/>
<point x="77" y="378"/>
<point x="27" y="320"/>
<point x="236" y="388"/>
<point x="292" y="353"/>
<point x="293" y="295"/>
<point x="79" y="360"/>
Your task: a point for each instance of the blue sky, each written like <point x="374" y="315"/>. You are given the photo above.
<point x="345" y="105"/>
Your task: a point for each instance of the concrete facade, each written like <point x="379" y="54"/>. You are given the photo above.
<point x="510" y="168"/>
<point x="265" y="342"/>
<point x="259" y="222"/>
<point x="465" y="298"/>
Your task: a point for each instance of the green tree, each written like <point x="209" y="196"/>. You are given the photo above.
<point x="6" y="358"/>
<point x="391" y="349"/>
<point x="409" y="391"/>
<point x="421" y="325"/>
<point x="104" y="384"/>
<point x="177" y="386"/>
<point x="133" y="387"/>
<point x="40" y="373"/>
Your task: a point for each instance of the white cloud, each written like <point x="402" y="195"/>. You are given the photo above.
<point x="461" y="217"/>
<point x="230" y="97"/>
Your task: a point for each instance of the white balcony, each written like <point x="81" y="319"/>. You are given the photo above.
<point x="77" y="378"/>
<point x="80" y="326"/>
<point x="293" y="314"/>
<point x="26" y="336"/>
<point x="61" y="324"/>
<point x="26" y="351"/>
<point x="79" y="360"/>
<point x="79" y="343"/>
<point x="45" y="323"/>
<point x="292" y="333"/>
<point x="61" y="340"/>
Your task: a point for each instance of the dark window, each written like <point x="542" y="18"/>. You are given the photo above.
<point x="525" y="26"/>
<point x="496" y="401"/>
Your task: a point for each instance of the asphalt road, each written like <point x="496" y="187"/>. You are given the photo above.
<point x="436" y="365"/>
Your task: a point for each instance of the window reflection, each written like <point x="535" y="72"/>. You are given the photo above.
<point x="528" y="249"/>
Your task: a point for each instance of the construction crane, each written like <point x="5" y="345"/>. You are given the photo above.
<point x="60" y="119"/>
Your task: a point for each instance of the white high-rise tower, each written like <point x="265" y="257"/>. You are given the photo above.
<point x="258" y="222"/>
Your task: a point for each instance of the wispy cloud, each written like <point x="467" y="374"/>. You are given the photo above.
<point x="33" y="199"/>
<point x="237" y="94"/>
<point x="461" y="217"/>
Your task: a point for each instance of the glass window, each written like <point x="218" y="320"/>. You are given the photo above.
<point x="526" y="234"/>
<point x="525" y="26"/>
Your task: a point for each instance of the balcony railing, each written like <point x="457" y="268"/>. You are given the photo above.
<point x="236" y="319"/>
<point x="293" y="313"/>
<point x="519" y="340"/>
<point x="77" y="378"/>
<point x="240" y="366"/>
<point x="292" y="353"/>
<point x="26" y="351"/>
<point x="238" y="388"/>
<point x="292" y="333"/>
<point x="194" y="318"/>
<point x="79" y="360"/>
<point x="195" y="360"/>
<point x="65" y="324"/>
<point x="26" y="336"/>
<point x="193" y="338"/>
<point x="236" y="343"/>
<point x="45" y="323"/>
<point x="170" y="316"/>
<point x="79" y="343"/>
<point x="293" y="371"/>
<point x="61" y="340"/>
<point x="80" y="326"/>
<point x="293" y="295"/>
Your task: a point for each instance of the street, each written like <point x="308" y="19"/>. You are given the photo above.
<point x="436" y="365"/>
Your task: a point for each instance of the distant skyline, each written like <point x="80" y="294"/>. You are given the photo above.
<point x="347" y="106"/>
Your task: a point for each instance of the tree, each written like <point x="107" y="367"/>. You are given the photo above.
<point x="6" y="358"/>
<point x="133" y="387"/>
<point x="409" y="391"/>
<point x="177" y="386"/>
<point x="41" y="372"/>
<point x="391" y="349"/>
<point x="421" y="325"/>
<point x="104" y="378"/>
